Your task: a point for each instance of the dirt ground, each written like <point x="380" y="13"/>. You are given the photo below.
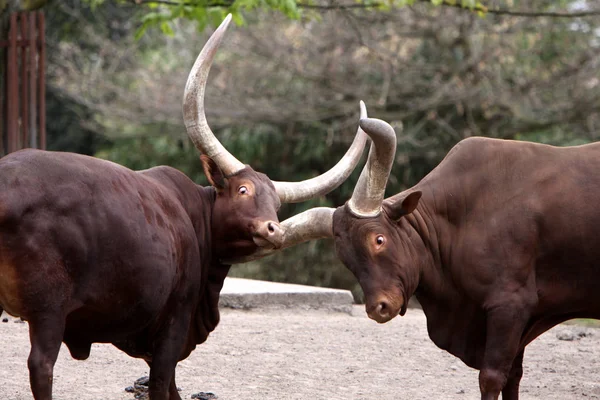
<point x="304" y="355"/>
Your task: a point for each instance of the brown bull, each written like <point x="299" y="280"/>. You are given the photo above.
<point x="91" y="251"/>
<point x="499" y="243"/>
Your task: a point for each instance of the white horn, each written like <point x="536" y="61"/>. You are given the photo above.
<point x="295" y="192"/>
<point x="193" y="107"/>
<point x="315" y="223"/>
<point x="370" y="189"/>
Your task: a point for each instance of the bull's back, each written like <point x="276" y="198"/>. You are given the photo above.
<point x="89" y="235"/>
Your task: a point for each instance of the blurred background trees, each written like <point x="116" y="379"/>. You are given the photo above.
<point x="283" y="93"/>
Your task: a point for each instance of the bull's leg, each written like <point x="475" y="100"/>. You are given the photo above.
<point x="511" y="389"/>
<point x="45" y="334"/>
<point x="173" y="392"/>
<point x="505" y="326"/>
<point x="165" y="357"/>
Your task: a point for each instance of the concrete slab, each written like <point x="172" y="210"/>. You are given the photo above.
<point x="246" y="294"/>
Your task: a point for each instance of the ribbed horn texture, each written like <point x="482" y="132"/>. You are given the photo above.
<point x="295" y="192"/>
<point x="193" y="107"/>
<point x="315" y="223"/>
<point x="370" y="189"/>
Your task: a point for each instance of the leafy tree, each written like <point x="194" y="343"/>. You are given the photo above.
<point x="162" y="13"/>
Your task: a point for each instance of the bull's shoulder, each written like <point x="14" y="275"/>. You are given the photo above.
<point x="481" y="148"/>
<point x="167" y="175"/>
<point x="189" y="194"/>
<point x="498" y="154"/>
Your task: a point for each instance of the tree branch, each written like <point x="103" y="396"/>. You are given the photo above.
<point x="216" y="3"/>
<point x="529" y="14"/>
<point x="446" y="3"/>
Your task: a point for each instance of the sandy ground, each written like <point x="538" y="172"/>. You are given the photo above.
<point x="314" y="355"/>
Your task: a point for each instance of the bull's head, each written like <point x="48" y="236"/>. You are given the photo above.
<point x="370" y="237"/>
<point x="245" y="211"/>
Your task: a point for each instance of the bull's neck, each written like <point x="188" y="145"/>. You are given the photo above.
<point x="421" y="248"/>
<point x="432" y="223"/>
<point x="213" y="277"/>
<point x="428" y="225"/>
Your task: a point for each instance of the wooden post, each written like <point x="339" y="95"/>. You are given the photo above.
<point x="32" y="81"/>
<point x="24" y="84"/>
<point x="13" y="94"/>
<point x="3" y="92"/>
<point x="42" y="79"/>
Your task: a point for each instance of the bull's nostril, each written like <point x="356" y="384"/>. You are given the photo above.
<point x="382" y="308"/>
<point x="271" y="227"/>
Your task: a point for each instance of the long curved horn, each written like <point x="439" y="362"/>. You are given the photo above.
<point x="315" y="223"/>
<point x="295" y="192"/>
<point x="370" y="189"/>
<point x="193" y="107"/>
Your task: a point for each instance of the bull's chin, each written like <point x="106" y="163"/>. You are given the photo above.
<point x="382" y="319"/>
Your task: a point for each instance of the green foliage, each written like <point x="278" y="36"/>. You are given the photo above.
<point x="283" y="95"/>
<point x="144" y="152"/>
<point x="67" y="130"/>
<point x="211" y="12"/>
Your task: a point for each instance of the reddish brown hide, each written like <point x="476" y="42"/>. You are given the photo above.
<point x="499" y="243"/>
<point x="91" y="251"/>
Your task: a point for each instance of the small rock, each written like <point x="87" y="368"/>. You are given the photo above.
<point x="139" y="388"/>
<point x="4" y="319"/>
<point x="143" y="381"/>
<point x="567" y="336"/>
<point x="19" y="321"/>
<point x="204" y="396"/>
<point x="461" y="391"/>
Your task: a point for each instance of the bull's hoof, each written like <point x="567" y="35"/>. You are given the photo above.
<point x="140" y="388"/>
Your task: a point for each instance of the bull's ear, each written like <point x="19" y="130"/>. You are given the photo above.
<point x="213" y="172"/>
<point x="403" y="205"/>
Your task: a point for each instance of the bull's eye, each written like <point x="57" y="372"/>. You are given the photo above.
<point x="380" y="240"/>
<point x="243" y="190"/>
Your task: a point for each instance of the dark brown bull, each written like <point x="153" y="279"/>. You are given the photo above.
<point x="91" y="251"/>
<point x="499" y="243"/>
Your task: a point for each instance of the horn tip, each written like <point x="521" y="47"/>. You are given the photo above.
<point x="375" y="124"/>
<point x="225" y="22"/>
<point x="363" y="110"/>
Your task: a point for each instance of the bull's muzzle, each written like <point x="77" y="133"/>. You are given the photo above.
<point x="382" y="310"/>
<point x="268" y="234"/>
